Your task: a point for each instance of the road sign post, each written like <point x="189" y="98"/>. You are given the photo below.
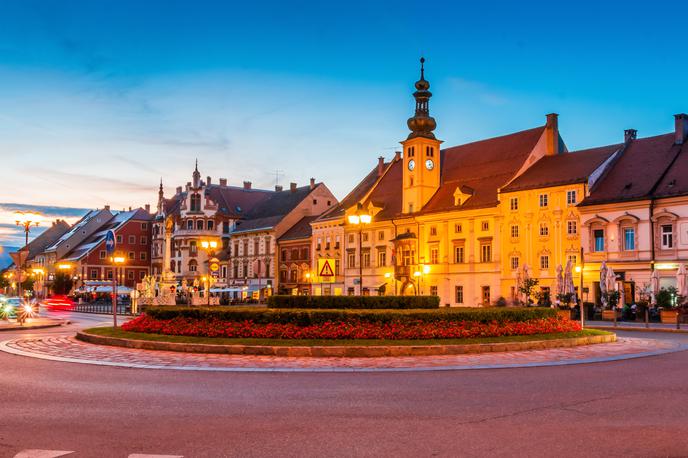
<point x="110" y="245"/>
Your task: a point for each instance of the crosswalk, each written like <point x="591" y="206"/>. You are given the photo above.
<point x="38" y="453"/>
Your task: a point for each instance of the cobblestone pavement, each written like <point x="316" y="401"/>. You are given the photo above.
<point x="67" y="349"/>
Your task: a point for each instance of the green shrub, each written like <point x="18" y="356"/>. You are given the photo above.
<point x="306" y="317"/>
<point x="353" y="302"/>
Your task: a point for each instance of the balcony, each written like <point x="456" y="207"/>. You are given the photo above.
<point x="196" y="233"/>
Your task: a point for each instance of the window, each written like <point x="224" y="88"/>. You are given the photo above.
<point x="94" y="274"/>
<point x="458" y="228"/>
<point x="544" y="200"/>
<point x="132" y="239"/>
<point x="434" y="255"/>
<point x="143" y="240"/>
<point x="433" y="290"/>
<point x="225" y="227"/>
<point x="429" y="151"/>
<point x="132" y="255"/>
<point x="458" y="255"/>
<point x="628" y="239"/>
<point x="485" y="252"/>
<point x="571" y="228"/>
<point x="514" y="231"/>
<point x="408" y="257"/>
<point x="130" y="275"/>
<point x="283" y="276"/>
<point x="193" y="248"/>
<point x="336" y="267"/>
<point x="195" y="202"/>
<point x="142" y="274"/>
<point x="179" y="266"/>
<point x="189" y="225"/>
<point x="381" y="257"/>
<point x="102" y="254"/>
<point x="544" y="230"/>
<point x="570" y="197"/>
<point x="514" y="262"/>
<point x="573" y="258"/>
<point x="485" y="225"/>
<point x="410" y="208"/>
<point x="433" y="231"/>
<point x="380" y="235"/>
<point x="366" y="258"/>
<point x="458" y="294"/>
<point x="109" y="274"/>
<point x="315" y="201"/>
<point x="544" y="262"/>
<point x="304" y="253"/>
<point x="119" y="239"/>
<point x="211" y="225"/>
<point x="199" y="224"/>
<point x="144" y="226"/>
<point x="364" y="236"/>
<point x="294" y="254"/>
<point x="351" y="260"/>
<point x="351" y="239"/>
<point x="513" y="203"/>
<point x="142" y="256"/>
<point x="598" y="236"/>
<point x="350" y="291"/>
<point x="411" y="151"/>
<point x="667" y="236"/>
<point x="292" y="275"/>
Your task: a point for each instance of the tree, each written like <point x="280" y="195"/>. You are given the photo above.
<point x="62" y="284"/>
<point x="526" y="287"/>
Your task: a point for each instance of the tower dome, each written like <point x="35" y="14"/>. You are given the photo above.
<point x="422" y="124"/>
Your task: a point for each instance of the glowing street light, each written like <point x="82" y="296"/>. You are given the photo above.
<point x="25" y="220"/>
<point x="359" y="219"/>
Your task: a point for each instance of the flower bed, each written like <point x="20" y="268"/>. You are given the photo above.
<point x="353" y="302"/>
<point x="352" y="328"/>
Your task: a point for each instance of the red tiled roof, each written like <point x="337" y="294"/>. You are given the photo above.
<point x="301" y="230"/>
<point x="237" y="201"/>
<point x="637" y="171"/>
<point x="565" y="168"/>
<point x="387" y="194"/>
<point x="353" y="197"/>
<point x="675" y="181"/>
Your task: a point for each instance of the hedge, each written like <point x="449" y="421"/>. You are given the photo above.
<point x="354" y="302"/>
<point x="306" y="317"/>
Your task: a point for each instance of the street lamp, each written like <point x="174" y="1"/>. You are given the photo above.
<point x="116" y="261"/>
<point x="359" y="219"/>
<point x="209" y="246"/>
<point x="25" y="220"/>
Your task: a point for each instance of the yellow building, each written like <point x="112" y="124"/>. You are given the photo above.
<point x="541" y="226"/>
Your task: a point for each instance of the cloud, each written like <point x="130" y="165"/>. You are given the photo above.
<point x="11" y="234"/>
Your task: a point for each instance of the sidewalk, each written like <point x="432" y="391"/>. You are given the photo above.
<point x="31" y="323"/>
<point x="636" y="326"/>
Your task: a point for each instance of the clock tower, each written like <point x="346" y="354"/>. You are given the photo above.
<point x="421" y="151"/>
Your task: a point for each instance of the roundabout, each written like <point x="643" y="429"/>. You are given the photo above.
<point x="66" y="348"/>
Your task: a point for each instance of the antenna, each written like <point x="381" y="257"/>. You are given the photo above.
<point x="278" y="172"/>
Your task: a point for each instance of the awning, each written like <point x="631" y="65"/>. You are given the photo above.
<point x="108" y="289"/>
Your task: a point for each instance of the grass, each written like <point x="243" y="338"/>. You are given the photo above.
<point x="111" y="332"/>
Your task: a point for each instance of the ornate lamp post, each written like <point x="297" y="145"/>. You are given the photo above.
<point x="209" y="246"/>
<point x="359" y="219"/>
<point x="25" y="220"/>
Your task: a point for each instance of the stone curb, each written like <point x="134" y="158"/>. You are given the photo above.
<point x="634" y="328"/>
<point x="344" y="351"/>
<point x="28" y="328"/>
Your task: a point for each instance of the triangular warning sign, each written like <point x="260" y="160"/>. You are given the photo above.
<point x="326" y="270"/>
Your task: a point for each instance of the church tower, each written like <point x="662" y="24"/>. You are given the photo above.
<point x="161" y="199"/>
<point x="421" y="151"/>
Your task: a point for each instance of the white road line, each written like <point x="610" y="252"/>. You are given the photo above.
<point x="140" y="455"/>
<point x="36" y="453"/>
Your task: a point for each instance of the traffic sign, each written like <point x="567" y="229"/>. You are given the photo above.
<point x="214" y="267"/>
<point x="110" y="242"/>
<point x="326" y="270"/>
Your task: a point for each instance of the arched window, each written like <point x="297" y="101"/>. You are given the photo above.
<point x="189" y="224"/>
<point x="199" y="224"/>
<point x="193" y="265"/>
<point x="211" y="225"/>
<point x="195" y="202"/>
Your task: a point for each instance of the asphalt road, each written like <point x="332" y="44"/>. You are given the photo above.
<point x="627" y="408"/>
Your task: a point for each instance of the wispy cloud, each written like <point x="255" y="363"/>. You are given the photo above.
<point x="11" y="234"/>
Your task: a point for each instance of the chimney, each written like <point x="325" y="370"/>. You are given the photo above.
<point x="292" y="187"/>
<point x="179" y="189"/>
<point x="552" y="134"/>
<point x="147" y="208"/>
<point x="681" y="128"/>
<point x="629" y="135"/>
<point x="397" y="155"/>
<point x="208" y="180"/>
<point x="107" y="207"/>
<point x="380" y="165"/>
<point x="278" y="187"/>
<point x="223" y="181"/>
<point x="312" y="183"/>
<point x="247" y="185"/>
<point x="129" y="208"/>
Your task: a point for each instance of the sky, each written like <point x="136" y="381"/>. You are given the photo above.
<point x="99" y="100"/>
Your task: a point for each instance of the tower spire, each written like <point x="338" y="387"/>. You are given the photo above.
<point x="196" y="177"/>
<point x="422" y="124"/>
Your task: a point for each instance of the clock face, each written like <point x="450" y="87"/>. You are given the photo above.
<point x="411" y="164"/>
<point x="429" y="164"/>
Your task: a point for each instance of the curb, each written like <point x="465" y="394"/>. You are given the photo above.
<point x="344" y="351"/>
<point x="28" y="328"/>
<point x="634" y="328"/>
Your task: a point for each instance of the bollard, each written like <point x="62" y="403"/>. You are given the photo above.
<point x="647" y="317"/>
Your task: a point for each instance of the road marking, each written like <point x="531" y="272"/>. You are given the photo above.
<point x="36" y="453"/>
<point x="140" y="455"/>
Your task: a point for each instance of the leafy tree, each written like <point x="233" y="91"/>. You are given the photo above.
<point x="526" y="287"/>
<point x="62" y="284"/>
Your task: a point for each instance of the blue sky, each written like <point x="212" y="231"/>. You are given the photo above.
<point x="98" y="100"/>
